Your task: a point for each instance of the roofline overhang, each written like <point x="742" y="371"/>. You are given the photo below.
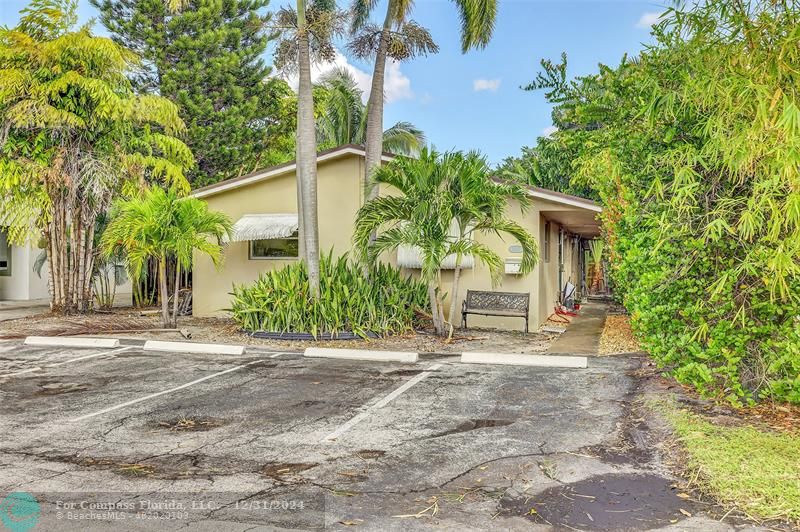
<point x="565" y="199"/>
<point x="281" y="169"/>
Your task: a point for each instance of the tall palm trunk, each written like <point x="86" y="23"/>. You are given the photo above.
<point x="307" y="155"/>
<point x="374" y="133"/>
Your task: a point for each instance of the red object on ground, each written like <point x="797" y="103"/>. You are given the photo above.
<point x="577" y="306"/>
<point x="563" y="312"/>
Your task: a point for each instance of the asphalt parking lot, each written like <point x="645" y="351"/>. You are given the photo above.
<point x="163" y="441"/>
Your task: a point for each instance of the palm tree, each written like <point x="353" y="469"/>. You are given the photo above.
<point x="399" y="39"/>
<point x="309" y="30"/>
<point x="437" y="190"/>
<point x="162" y="226"/>
<point x="342" y="117"/>
<point x="74" y="134"/>
<point x="480" y="207"/>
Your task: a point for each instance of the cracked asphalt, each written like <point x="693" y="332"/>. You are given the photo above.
<point x="162" y="441"/>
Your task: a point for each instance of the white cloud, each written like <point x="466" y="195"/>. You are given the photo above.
<point x="549" y="130"/>
<point x="396" y="85"/>
<point x="649" y="19"/>
<point x="486" y="85"/>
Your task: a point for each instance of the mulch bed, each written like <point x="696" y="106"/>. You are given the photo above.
<point x="224" y="330"/>
<point x="617" y="337"/>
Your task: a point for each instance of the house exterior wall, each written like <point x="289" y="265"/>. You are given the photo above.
<point x="541" y="283"/>
<point x="340" y="196"/>
<point x="23" y="284"/>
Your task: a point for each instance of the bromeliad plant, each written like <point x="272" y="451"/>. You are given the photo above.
<point x="384" y="302"/>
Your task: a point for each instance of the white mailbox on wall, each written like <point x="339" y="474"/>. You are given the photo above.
<point x="513" y="266"/>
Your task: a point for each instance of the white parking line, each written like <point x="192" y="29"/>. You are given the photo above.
<point x="114" y="352"/>
<point x="380" y="404"/>
<point x="69" y="361"/>
<point x="164" y="392"/>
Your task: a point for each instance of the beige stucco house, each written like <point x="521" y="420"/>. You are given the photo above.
<point x="263" y="206"/>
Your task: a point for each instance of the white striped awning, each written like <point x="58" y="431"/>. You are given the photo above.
<point x="264" y="227"/>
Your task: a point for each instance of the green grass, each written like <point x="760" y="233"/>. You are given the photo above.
<point x="756" y="471"/>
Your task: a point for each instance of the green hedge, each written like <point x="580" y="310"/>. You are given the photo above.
<point x="382" y="302"/>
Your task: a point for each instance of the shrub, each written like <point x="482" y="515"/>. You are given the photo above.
<point x="694" y="147"/>
<point x="381" y="302"/>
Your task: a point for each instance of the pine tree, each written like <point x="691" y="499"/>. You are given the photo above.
<point x="207" y="58"/>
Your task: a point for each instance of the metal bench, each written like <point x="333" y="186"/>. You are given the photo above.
<point x="495" y="304"/>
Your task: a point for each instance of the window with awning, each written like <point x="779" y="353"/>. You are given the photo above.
<point x="264" y="227"/>
<point x="269" y="236"/>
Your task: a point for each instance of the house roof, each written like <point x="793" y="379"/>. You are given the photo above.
<point x="357" y="149"/>
<point x="284" y="168"/>
<point x="567" y="199"/>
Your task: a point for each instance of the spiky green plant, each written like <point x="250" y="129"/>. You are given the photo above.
<point x="281" y="301"/>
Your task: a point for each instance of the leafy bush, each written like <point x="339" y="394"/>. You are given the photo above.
<point x="382" y="302"/>
<point x="694" y="148"/>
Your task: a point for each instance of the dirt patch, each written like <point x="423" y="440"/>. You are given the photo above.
<point x="475" y="424"/>
<point x="284" y="471"/>
<point x="120" y="467"/>
<point x="190" y="424"/>
<point x="92" y="323"/>
<point x="224" y="330"/>
<point x="605" y="502"/>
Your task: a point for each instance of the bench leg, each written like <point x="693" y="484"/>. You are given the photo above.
<point x="464" y="320"/>
<point x="526" y="324"/>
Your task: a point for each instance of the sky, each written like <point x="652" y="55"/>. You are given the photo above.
<point x="474" y="100"/>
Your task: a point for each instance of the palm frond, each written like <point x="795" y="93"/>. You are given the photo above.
<point x="477" y="22"/>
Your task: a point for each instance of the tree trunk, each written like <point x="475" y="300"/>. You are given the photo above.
<point x="374" y="134"/>
<point x="438" y="326"/>
<point x="89" y="261"/>
<point x="62" y="251"/>
<point x="307" y="155"/>
<point x="454" y="292"/>
<point x="163" y="292"/>
<point x="176" y="293"/>
<point x="442" y="321"/>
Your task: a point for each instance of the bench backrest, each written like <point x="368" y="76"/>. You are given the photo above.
<point x="480" y="300"/>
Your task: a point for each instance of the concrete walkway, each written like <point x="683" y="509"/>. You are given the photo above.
<point x="583" y="334"/>
<point x="12" y="310"/>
